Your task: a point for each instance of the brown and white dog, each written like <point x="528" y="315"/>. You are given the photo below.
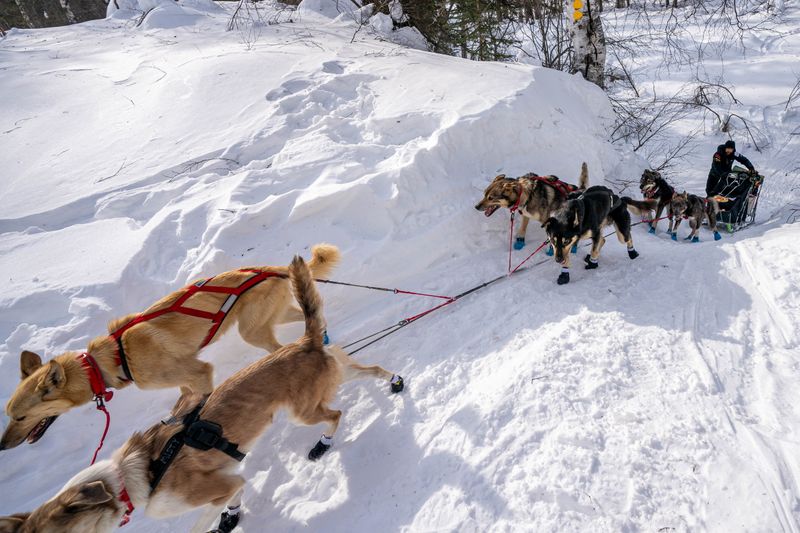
<point x="302" y="376"/>
<point x="160" y="353"/>
<point x="536" y="197"/>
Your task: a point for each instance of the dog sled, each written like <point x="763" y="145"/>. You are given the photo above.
<point x="738" y="199"/>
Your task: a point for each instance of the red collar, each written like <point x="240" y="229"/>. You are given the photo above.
<point x="519" y="198"/>
<point x="125" y="498"/>
<point x="96" y="381"/>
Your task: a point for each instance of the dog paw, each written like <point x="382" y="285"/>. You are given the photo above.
<point x="590" y="265"/>
<point x="549" y="252"/>
<point x="633" y="254"/>
<point x="519" y="244"/>
<point x="695" y="239"/>
<point x="574" y="248"/>
<point x="318" y="450"/>
<point x="717" y="236"/>
<point x="227" y="523"/>
<point x="325" y="339"/>
<point x="397" y="384"/>
<point x="688" y="238"/>
<point x="674" y="236"/>
<point x="652" y="230"/>
<point x="563" y="278"/>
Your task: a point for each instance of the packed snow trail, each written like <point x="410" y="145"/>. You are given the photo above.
<point x="655" y="394"/>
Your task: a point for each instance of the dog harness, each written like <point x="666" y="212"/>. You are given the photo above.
<point x="562" y="187"/>
<point x="177" y="307"/>
<point x="196" y="433"/>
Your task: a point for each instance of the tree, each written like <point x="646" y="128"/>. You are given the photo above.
<point x="588" y="42"/>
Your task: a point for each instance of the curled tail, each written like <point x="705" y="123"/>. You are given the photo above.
<point x="640" y="207"/>
<point x="305" y="291"/>
<point x="323" y="258"/>
<point x="583" y="180"/>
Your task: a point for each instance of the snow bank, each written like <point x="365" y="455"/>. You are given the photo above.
<point x="173" y="150"/>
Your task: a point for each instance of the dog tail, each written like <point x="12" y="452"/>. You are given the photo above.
<point x="305" y="291"/>
<point x="639" y="207"/>
<point x="324" y="258"/>
<point x="712" y="207"/>
<point x="583" y="180"/>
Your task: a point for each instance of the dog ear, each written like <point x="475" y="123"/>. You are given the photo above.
<point x="29" y="362"/>
<point x="547" y="223"/>
<point x="499" y="177"/>
<point x="90" y="495"/>
<point x="54" y="378"/>
<point x="12" y="524"/>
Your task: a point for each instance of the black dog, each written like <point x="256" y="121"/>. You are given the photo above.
<point x="654" y="187"/>
<point x="584" y="216"/>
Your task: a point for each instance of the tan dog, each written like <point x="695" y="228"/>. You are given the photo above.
<point x="161" y="352"/>
<point x="536" y="197"/>
<point x="303" y="377"/>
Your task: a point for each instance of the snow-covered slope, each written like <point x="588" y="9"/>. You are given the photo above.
<point x="644" y="395"/>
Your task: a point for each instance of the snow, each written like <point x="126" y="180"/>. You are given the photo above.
<point x="650" y="395"/>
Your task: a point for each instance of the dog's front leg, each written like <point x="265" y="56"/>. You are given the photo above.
<point x="563" y="277"/>
<point x="654" y="223"/>
<point x="674" y="232"/>
<point x="597" y="244"/>
<point x="519" y="243"/>
<point x="221" y="489"/>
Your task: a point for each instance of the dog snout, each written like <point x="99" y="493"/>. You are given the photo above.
<point x="479" y="206"/>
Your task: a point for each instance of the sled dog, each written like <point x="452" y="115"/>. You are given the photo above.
<point x="694" y="209"/>
<point x="654" y="187"/>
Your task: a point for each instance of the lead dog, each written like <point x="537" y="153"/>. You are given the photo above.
<point x="302" y="376"/>
<point x="536" y="197"/>
<point x="694" y="209"/>
<point x="583" y="217"/>
<point x="161" y="352"/>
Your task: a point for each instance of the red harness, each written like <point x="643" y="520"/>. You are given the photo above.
<point x="98" y="384"/>
<point x="563" y="188"/>
<point x="177" y="307"/>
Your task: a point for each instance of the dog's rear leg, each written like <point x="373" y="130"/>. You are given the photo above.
<point x="261" y="335"/>
<point x="622" y="225"/>
<point x="353" y="370"/>
<point x="322" y="414"/>
<point x="218" y="490"/>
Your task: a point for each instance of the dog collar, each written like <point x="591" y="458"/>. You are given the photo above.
<point x="125" y="498"/>
<point x="519" y="198"/>
<point x="96" y="381"/>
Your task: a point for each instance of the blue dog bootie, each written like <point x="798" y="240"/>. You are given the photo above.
<point x="574" y="248"/>
<point x="717" y="236"/>
<point x="695" y="239"/>
<point x="674" y="236"/>
<point x="652" y="230"/>
<point x="519" y="244"/>
<point x="549" y="252"/>
<point x="325" y="339"/>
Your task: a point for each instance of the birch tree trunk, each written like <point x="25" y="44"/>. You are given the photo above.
<point x="588" y="41"/>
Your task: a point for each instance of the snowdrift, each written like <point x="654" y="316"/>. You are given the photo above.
<point x="140" y="156"/>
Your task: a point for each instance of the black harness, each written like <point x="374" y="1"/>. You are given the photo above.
<point x="196" y="433"/>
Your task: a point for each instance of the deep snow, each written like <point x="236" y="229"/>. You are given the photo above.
<point x="652" y="395"/>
